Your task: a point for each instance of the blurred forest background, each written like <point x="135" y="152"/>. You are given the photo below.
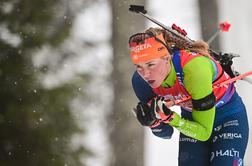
<point x="65" y="94"/>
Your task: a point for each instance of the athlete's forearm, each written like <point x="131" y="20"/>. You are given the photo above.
<point x="201" y="126"/>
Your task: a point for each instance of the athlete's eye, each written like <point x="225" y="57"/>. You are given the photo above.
<point x="151" y="64"/>
<point x="138" y="67"/>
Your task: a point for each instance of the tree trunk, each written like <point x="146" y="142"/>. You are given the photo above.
<point x="209" y="21"/>
<point x="126" y="135"/>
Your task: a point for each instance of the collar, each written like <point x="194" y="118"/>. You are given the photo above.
<point x="171" y="78"/>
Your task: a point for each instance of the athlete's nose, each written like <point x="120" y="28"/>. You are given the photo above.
<point x="146" y="74"/>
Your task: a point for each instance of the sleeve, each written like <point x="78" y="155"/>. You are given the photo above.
<point x="198" y="74"/>
<point x="141" y="88"/>
<point x="145" y="93"/>
<point x="163" y="131"/>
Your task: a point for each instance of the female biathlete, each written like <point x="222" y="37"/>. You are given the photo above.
<point x="213" y="124"/>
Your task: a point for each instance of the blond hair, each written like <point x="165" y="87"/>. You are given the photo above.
<point x="172" y="41"/>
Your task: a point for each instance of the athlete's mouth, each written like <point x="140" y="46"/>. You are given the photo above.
<point x="151" y="81"/>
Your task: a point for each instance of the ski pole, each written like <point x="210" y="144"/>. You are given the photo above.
<point x="223" y="27"/>
<point x="249" y="80"/>
<point x="240" y="77"/>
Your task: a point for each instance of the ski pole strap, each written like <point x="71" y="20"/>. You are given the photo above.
<point x="241" y="76"/>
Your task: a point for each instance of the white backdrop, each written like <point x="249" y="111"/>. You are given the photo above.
<point x="239" y="40"/>
<point x="163" y="152"/>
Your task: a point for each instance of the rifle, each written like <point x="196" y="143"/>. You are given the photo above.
<point x="225" y="59"/>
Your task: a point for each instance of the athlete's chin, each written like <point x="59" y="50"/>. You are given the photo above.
<point x="155" y="85"/>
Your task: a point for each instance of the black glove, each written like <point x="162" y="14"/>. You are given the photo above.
<point x="160" y="111"/>
<point x="143" y="114"/>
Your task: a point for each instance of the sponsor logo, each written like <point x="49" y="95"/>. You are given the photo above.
<point x="231" y="123"/>
<point x="193" y="53"/>
<point x="175" y="97"/>
<point x="212" y="156"/>
<point x="156" y="130"/>
<point x="186" y="104"/>
<point x="136" y="57"/>
<point x="218" y="128"/>
<point x="215" y="139"/>
<point x="187" y="140"/>
<point x="168" y="97"/>
<point x="161" y="48"/>
<point x="219" y="103"/>
<point x="141" y="47"/>
<point x="230" y="135"/>
<point x="220" y="153"/>
<point x="180" y="79"/>
<point x="227" y="136"/>
<point x="238" y="162"/>
<point x="227" y="76"/>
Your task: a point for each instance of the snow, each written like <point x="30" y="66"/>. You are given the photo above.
<point x="8" y="37"/>
<point x="88" y="28"/>
<point x="7" y="7"/>
<point x="96" y="61"/>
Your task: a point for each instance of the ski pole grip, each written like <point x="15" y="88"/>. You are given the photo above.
<point x="137" y="9"/>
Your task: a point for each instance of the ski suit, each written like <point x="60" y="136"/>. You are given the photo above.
<point x="194" y="75"/>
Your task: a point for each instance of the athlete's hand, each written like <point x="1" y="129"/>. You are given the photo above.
<point x="160" y="111"/>
<point x="143" y="114"/>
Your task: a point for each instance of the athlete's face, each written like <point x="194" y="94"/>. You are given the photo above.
<point x="154" y="71"/>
